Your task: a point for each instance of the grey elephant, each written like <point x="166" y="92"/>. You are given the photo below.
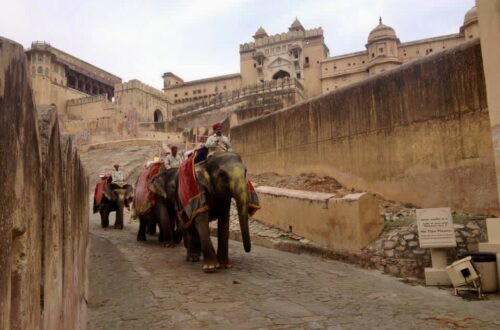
<point x="115" y="197"/>
<point x="222" y="179"/>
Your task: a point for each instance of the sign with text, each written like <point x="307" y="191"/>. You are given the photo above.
<point x="435" y="228"/>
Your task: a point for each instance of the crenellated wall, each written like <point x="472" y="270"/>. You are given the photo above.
<point x="419" y="133"/>
<point x="44" y="213"/>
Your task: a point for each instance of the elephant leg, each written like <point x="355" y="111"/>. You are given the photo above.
<point x="176" y="233"/>
<point x="152" y="228"/>
<point x="192" y="243"/>
<point x="104" y="218"/>
<point x="166" y="235"/>
<point x="223" y="239"/>
<point x="119" y="218"/>
<point x="209" y="257"/>
<point x="141" y="234"/>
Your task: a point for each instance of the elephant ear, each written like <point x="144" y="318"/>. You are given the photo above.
<point x="157" y="186"/>
<point x="108" y="192"/>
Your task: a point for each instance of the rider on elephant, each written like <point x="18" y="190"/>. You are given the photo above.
<point x="217" y="141"/>
<point x="116" y="175"/>
<point x="174" y="159"/>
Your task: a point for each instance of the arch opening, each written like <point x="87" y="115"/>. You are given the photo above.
<point x="281" y="74"/>
<point x="158" y="116"/>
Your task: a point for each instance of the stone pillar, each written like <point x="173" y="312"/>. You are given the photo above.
<point x="489" y="26"/>
<point x="489" y="32"/>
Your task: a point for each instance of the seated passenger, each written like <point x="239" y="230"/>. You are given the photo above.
<point x="116" y="175"/>
<point x="173" y="160"/>
<point x="217" y="141"/>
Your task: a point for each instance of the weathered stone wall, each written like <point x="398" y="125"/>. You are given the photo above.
<point x="419" y="133"/>
<point x="44" y="213"/>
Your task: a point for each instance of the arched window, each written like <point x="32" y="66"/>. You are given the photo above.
<point x="158" y="116"/>
<point x="40" y="70"/>
<point x="281" y="74"/>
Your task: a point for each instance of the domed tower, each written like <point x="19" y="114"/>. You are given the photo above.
<point x="382" y="49"/>
<point x="470" y="29"/>
<point x="296" y="26"/>
<point x="261" y="33"/>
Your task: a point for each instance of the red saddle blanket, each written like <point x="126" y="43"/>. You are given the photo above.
<point x="193" y="200"/>
<point x="144" y="198"/>
<point x="99" y="189"/>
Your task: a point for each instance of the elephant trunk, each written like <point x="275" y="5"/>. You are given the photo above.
<point x="241" y="197"/>
<point x="119" y="210"/>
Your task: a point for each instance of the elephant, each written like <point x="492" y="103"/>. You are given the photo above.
<point x="162" y="211"/>
<point x="116" y="196"/>
<point x="223" y="178"/>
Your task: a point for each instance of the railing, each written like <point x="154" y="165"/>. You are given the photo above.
<point x="228" y="98"/>
<point x="88" y="99"/>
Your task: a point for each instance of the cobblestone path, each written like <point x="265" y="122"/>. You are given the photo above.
<point x="144" y="286"/>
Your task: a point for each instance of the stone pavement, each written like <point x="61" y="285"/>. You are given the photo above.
<point x="144" y="286"/>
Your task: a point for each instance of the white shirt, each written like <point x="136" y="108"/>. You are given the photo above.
<point x="173" y="161"/>
<point x="116" y="176"/>
<point x="218" y="141"/>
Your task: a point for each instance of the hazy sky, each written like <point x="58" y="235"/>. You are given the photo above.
<point x="200" y="38"/>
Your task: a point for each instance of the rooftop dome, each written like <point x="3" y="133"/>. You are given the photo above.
<point x="381" y="31"/>
<point x="296" y="26"/>
<point x="260" y="33"/>
<point x="470" y="16"/>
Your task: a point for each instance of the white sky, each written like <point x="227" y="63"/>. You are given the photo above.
<point x="196" y="39"/>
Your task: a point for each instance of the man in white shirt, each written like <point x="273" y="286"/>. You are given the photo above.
<point x="173" y="160"/>
<point x="116" y="175"/>
<point x="217" y="141"/>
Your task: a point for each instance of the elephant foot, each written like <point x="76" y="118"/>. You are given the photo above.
<point x="104" y="224"/>
<point x="118" y="226"/>
<point x="226" y="265"/>
<point x="170" y="245"/>
<point x="209" y="268"/>
<point x="193" y="258"/>
<point x="141" y="238"/>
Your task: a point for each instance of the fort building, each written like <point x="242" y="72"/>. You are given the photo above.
<point x="275" y="69"/>
<point x="302" y="54"/>
<point x="58" y="76"/>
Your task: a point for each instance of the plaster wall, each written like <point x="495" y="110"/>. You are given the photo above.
<point x="418" y="133"/>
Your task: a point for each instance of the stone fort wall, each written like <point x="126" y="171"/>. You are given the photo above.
<point x="418" y="134"/>
<point x="44" y="213"/>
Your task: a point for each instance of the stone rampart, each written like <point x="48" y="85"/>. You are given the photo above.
<point x="44" y="213"/>
<point x="419" y="133"/>
<point x="347" y="223"/>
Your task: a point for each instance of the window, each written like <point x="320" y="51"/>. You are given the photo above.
<point x="363" y="62"/>
<point x="373" y="55"/>
<point x="199" y="91"/>
<point x="348" y="64"/>
<point x="298" y="75"/>
<point x="471" y="36"/>
<point x="40" y="58"/>
<point x="335" y="68"/>
<point x="33" y="70"/>
<point x="418" y="52"/>
<point x="255" y="65"/>
<point x="381" y="50"/>
<point x="185" y="93"/>
<point x="194" y="91"/>
<point x="40" y="70"/>
<point x="296" y="55"/>
<point x="224" y="86"/>
<point x="326" y="69"/>
<point x="175" y="95"/>
<point x="46" y="71"/>
<point x="327" y="89"/>
<point x="307" y="60"/>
